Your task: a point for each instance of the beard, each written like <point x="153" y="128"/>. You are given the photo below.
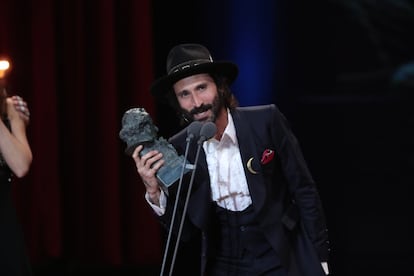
<point x="215" y="107"/>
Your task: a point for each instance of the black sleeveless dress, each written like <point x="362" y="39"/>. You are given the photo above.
<point x="13" y="258"/>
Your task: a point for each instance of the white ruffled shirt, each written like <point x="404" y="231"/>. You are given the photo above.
<point x="227" y="179"/>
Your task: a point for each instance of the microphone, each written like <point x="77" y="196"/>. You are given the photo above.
<point x="193" y="131"/>
<point x="207" y="131"/>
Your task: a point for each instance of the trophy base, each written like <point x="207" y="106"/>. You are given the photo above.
<point x="170" y="172"/>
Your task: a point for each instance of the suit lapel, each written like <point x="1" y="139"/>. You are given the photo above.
<point x="201" y="196"/>
<point x="249" y="149"/>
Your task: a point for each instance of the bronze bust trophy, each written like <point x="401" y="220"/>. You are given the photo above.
<point x="138" y="129"/>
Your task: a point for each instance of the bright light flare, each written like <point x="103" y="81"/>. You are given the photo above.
<point x="4" y="66"/>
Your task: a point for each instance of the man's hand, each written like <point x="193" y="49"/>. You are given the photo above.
<point x="147" y="167"/>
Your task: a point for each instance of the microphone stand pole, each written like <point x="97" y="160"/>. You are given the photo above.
<point x="188" y="140"/>
<point x="200" y="142"/>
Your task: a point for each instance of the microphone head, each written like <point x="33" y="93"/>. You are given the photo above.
<point x="193" y="130"/>
<point x="207" y="131"/>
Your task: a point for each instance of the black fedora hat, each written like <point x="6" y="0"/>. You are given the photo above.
<point x="189" y="59"/>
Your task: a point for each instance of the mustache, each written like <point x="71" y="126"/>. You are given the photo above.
<point x="201" y="108"/>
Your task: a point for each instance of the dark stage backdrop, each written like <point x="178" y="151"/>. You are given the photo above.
<point x="80" y="65"/>
<point x="341" y="70"/>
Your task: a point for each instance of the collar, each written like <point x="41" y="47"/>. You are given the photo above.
<point x="230" y="130"/>
<point x="229" y="134"/>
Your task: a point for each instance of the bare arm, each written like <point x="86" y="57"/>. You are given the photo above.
<point x="14" y="145"/>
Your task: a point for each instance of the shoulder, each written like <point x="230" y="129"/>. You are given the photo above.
<point x="179" y="137"/>
<point x="178" y="140"/>
<point x="256" y="112"/>
<point x="257" y="109"/>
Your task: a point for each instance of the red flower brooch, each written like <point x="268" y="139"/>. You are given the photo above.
<point x="267" y="156"/>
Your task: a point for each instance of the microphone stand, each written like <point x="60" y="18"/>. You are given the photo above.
<point x="207" y="131"/>
<point x="193" y="130"/>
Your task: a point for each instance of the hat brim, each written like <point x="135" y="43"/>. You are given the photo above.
<point x="161" y="86"/>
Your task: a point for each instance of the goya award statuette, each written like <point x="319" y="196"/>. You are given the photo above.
<point x="138" y="129"/>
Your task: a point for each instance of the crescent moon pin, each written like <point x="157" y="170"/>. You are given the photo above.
<point x="249" y="166"/>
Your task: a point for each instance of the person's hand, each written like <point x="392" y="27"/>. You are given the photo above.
<point x="147" y="167"/>
<point x="21" y="107"/>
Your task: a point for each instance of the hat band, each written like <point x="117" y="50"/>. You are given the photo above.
<point x="189" y="64"/>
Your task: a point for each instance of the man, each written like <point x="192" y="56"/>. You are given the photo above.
<point x="254" y="208"/>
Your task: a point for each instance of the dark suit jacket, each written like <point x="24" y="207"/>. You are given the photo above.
<point x="283" y="192"/>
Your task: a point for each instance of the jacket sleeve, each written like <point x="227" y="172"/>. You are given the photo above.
<point x="300" y="183"/>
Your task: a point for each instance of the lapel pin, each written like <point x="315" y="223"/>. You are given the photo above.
<point x="267" y="156"/>
<point x="249" y="166"/>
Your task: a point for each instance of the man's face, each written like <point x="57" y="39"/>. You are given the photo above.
<point x="198" y="97"/>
